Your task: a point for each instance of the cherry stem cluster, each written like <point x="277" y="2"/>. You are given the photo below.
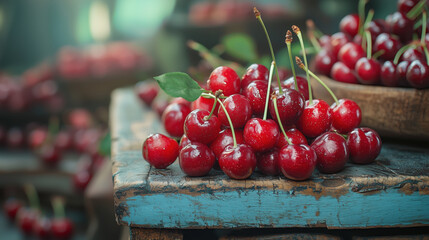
<point x="58" y="206"/>
<point x="361" y="11"/>
<point x="288" y="42"/>
<point x="32" y="196"/>
<point x="298" y="33"/>
<point x="273" y="64"/>
<point x="416" y="10"/>
<point x="368" y="45"/>
<point x="274" y="99"/>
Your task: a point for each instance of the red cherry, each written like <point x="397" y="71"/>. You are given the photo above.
<point x="42" y="228"/>
<point x="159" y="105"/>
<point x="283" y="73"/>
<point x="225" y="139"/>
<point x="350" y="24"/>
<point x="401" y="26"/>
<point x="44" y="91"/>
<point x="350" y="53"/>
<point x="401" y="70"/>
<point x="62" y="228"/>
<point x="239" y="110"/>
<point x="346" y="115"/>
<point x="267" y="162"/>
<point x="388" y="74"/>
<point x="368" y="71"/>
<point x="225" y="79"/>
<point x="80" y="118"/>
<point x="261" y="135"/>
<point x="376" y="28"/>
<point x="11" y="208"/>
<point x="184" y="141"/>
<point x="290" y="105"/>
<point x="174" y="117"/>
<point x="160" y="151"/>
<point x="81" y="179"/>
<point x="204" y="104"/>
<point x="49" y="155"/>
<point x="412" y="54"/>
<point x="254" y="72"/>
<point x="297" y="162"/>
<point x="338" y="40"/>
<point x="181" y="101"/>
<point x="323" y="61"/>
<point x="295" y="136"/>
<point x="404" y="6"/>
<point x="418" y="74"/>
<point x="26" y="219"/>
<point x="364" y="145"/>
<point x="325" y="42"/>
<point x="196" y="159"/>
<point x="146" y="91"/>
<point x="302" y="85"/>
<point x="37" y="137"/>
<point x="331" y="151"/>
<point x="238" y="162"/>
<point x="316" y="118"/>
<point x="342" y="73"/>
<point x="200" y="129"/>
<point x="388" y="44"/>
<point x="256" y="93"/>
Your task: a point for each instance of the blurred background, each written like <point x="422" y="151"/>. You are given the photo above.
<point x="60" y="61"/>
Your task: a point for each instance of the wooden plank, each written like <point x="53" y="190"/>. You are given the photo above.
<point x="155" y="234"/>
<point x="291" y="236"/>
<point x="393" y="191"/>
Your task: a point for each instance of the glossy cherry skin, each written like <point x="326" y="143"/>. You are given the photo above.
<point x="160" y="151"/>
<point x="295" y="136"/>
<point x="346" y="115"/>
<point x="323" y="61"/>
<point x="11" y="208"/>
<point x="332" y="153"/>
<point x="238" y="162"/>
<point x="388" y="44"/>
<point x="412" y="54"/>
<point x="401" y="70"/>
<point x="42" y="228"/>
<point x="364" y="145"/>
<point x="297" y="162"/>
<point x="159" y="105"/>
<point x="146" y="91"/>
<point x="342" y="73"/>
<point x="338" y="40"/>
<point x="401" y="26"/>
<point x="181" y="100"/>
<point x="368" y="71"/>
<point x="404" y="6"/>
<point x="62" y="228"/>
<point x="196" y="159"/>
<point x="174" y="117"/>
<point x="26" y="218"/>
<point x="376" y="28"/>
<point x="261" y="135"/>
<point x="350" y="53"/>
<point x="316" y="118"/>
<point x="225" y="79"/>
<point x="205" y="104"/>
<point x="350" y="24"/>
<point x="184" y="141"/>
<point x="256" y="93"/>
<point x="199" y="128"/>
<point x="49" y="155"/>
<point x="388" y="74"/>
<point x="239" y="110"/>
<point x="290" y="105"/>
<point x="418" y="74"/>
<point x="225" y="139"/>
<point x="267" y="162"/>
<point x="254" y="72"/>
<point x="302" y="85"/>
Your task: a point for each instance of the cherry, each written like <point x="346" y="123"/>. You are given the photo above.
<point x="338" y="40"/>
<point x="184" y="141"/>
<point x="294" y="135"/>
<point x="302" y="85"/>
<point x="402" y="69"/>
<point x="346" y="115"/>
<point x="85" y="140"/>
<point x="26" y="219"/>
<point x="376" y="28"/>
<point x="15" y="138"/>
<point x="261" y="135"/>
<point x="146" y="91"/>
<point x="412" y="54"/>
<point x="81" y="179"/>
<point x="80" y="118"/>
<point x="160" y="151"/>
<point x="388" y="44"/>
<point x="368" y="71"/>
<point x="62" y="228"/>
<point x="418" y="74"/>
<point x="239" y="110"/>
<point x="196" y="159"/>
<point x="325" y="42"/>
<point x="174" y="117"/>
<point x="315" y="119"/>
<point x="323" y="61"/>
<point x="290" y="105"/>
<point x="267" y="162"/>
<point x="11" y="207"/>
<point x="350" y="25"/>
<point x="254" y="72"/>
<point x="200" y="128"/>
<point x="401" y="26"/>
<point x="49" y="155"/>
<point x="256" y="93"/>
<point x="332" y="153"/>
<point x="342" y="73"/>
<point x="404" y="6"/>
<point x="37" y="137"/>
<point x="225" y="139"/>
<point x="159" y="105"/>
<point x="225" y="79"/>
<point x="238" y="162"/>
<point x="388" y="74"/>
<point x="44" y="91"/>
<point x="297" y="162"/>
<point x="283" y="73"/>
<point x="350" y="53"/>
<point x="204" y="104"/>
<point x="181" y="101"/>
<point x="42" y="227"/>
<point x="364" y="145"/>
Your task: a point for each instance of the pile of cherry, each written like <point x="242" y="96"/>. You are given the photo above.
<point x="394" y="56"/>
<point x="32" y="222"/>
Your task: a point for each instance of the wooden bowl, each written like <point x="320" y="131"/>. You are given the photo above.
<point x="393" y="112"/>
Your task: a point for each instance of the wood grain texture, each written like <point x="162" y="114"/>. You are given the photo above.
<point x="155" y="234"/>
<point x="393" y="191"/>
<point x="292" y="236"/>
<point x="393" y="112"/>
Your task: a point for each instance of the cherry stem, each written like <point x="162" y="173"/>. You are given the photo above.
<point x="32" y="196"/>
<point x="230" y="122"/>
<point x="213" y="108"/>
<point x="311" y="35"/>
<point x="415" y="11"/>
<point x="361" y="10"/>
<point x="368" y="45"/>
<point x="273" y="64"/>
<point x="298" y="33"/>
<point x="288" y="42"/>
<point x="58" y="206"/>
<point x="258" y="16"/>
<point x="274" y="99"/>
<point x="401" y="51"/>
<point x="422" y="38"/>
<point x="368" y="19"/>
<point x="378" y="54"/>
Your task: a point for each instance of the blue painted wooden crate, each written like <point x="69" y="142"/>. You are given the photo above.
<point x="392" y="192"/>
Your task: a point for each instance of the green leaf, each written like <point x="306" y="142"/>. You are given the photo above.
<point x="105" y="145"/>
<point x="178" y="84"/>
<point x="240" y="46"/>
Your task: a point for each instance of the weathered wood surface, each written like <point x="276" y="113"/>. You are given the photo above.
<point x="392" y="192"/>
<point x="393" y="112"/>
<point x="155" y="234"/>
